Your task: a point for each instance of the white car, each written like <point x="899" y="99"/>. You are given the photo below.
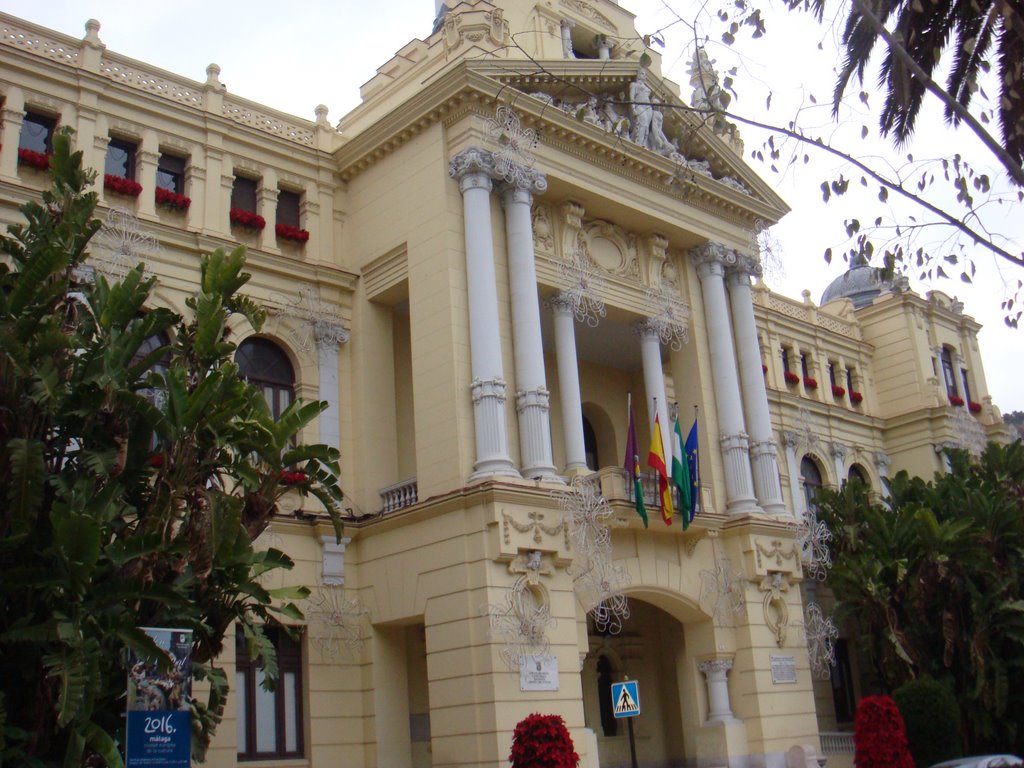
<point x="981" y="761"/>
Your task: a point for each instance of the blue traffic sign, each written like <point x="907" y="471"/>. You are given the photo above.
<point x="626" y="699"/>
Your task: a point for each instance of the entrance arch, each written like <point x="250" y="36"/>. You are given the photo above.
<point x="656" y="648"/>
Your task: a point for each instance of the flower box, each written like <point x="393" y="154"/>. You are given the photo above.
<point x="838" y="391"/>
<point x="956" y="400"/>
<point x="247" y="219"/>
<point x="288" y="232"/>
<point x="168" y="199"/>
<point x="119" y="185"/>
<point x="810" y="383"/>
<point x="791" y="378"/>
<point x="856" y="397"/>
<point x="38" y="160"/>
<point x="764" y="369"/>
<point x="974" y="407"/>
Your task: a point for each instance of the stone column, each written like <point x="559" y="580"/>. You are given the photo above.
<point x="532" y="397"/>
<point x="654" y="382"/>
<point x="763" y="450"/>
<point x="716" y="673"/>
<point x="473" y="169"/>
<point x="839" y="452"/>
<point x="266" y="206"/>
<point x="569" y="383"/>
<point x="329" y="336"/>
<point x="711" y="260"/>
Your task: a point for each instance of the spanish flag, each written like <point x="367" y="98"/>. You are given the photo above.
<point x="656" y="460"/>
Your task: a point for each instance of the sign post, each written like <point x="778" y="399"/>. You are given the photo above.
<point x="626" y="703"/>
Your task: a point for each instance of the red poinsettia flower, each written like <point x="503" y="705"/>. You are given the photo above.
<point x="288" y="232"/>
<point x="169" y="199"/>
<point x="247" y="219"/>
<point x="121" y="186"/>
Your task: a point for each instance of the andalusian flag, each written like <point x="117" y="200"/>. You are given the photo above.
<point x="632" y="465"/>
<point x="656" y="458"/>
<point x="681" y="474"/>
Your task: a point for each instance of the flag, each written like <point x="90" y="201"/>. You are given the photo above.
<point x="632" y="466"/>
<point x="681" y="474"/>
<point x="693" y="462"/>
<point x="656" y="458"/>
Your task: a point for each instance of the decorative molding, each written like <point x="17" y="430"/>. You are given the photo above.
<point x="317" y="321"/>
<point x="777" y="554"/>
<point x="776" y="613"/>
<point x="534" y="525"/>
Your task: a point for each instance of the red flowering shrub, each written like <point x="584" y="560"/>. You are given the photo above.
<point x="879" y="737"/>
<point x="838" y="391"/>
<point x="543" y="741"/>
<point x="169" y="199"/>
<point x="288" y="232"/>
<point x="121" y="186"/>
<point x="157" y="460"/>
<point x="974" y="407"/>
<point x="247" y="219"/>
<point x="956" y="400"/>
<point x="791" y="378"/>
<point x="32" y="159"/>
<point x="293" y="478"/>
<point x="855" y="397"/>
<point x="810" y="383"/>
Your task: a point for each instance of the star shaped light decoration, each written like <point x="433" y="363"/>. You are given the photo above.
<point x="583" y="283"/>
<point x="812" y="539"/>
<point x="820" y="634"/>
<point x="318" y="320"/>
<point x="121" y="244"/>
<point x="599" y="591"/>
<point x="514" y="159"/>
<point x="521" y="622"/>
<point x="336" y="622"/>
<point x="721" y="592"/>
<point x="670" y="316"/>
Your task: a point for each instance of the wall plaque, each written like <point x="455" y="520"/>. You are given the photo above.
<point x="538" y="673"/>
<point x="783" y="669"/>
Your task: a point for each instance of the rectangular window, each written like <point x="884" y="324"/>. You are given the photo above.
<point x="967" y="387"/>
<point x="849" y="380"/>
<point x="288" y="208"/>
<point x="785" y="359"/>
<point x="269" y="724"/>
<point x="121" y="159"/>
<point x="946" y="359"/>
<point x="170" y="173"/>
<point x="243" y="194"/>
<point x="831" y="373"/>
<point x="803" y="366"/>
<point x="37" y="133"/>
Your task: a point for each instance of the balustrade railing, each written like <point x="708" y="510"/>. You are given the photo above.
<point x="836" y="742"/>
<point x="400" y="495"/>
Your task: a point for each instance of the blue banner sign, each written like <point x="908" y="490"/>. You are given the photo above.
<point x="159" y="704"/>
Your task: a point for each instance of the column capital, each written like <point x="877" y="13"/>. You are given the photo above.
<point x="839" y="450"/>
<point x="525" y="184"/>
<point x="791" y="438"/>
<point x="647" y="328"/>
<point x="473" y="168"/>
<point x="715" y="667"/>
<point x="882" y="462"/>
<point x="712" y="257"/>
<point x="745" y="267"/>
<point x="561" y="303"/>
<point x="327" y="332"/>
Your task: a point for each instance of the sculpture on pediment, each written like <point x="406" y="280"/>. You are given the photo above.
<point x="640" y="107"/>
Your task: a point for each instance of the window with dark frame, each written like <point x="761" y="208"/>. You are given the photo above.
<point x="831" y="373"/>
<point x="170" y="173"/>
<point x="967" y="387"/>
<point x="946" y="360"/>
<point x="785" y="359"/>
<point x="37" y="133"/>
<point x="590" y="445"/>
<point x="288" y="208"/>
<point x="262" y="363"/>
<point x="849" y="380"/>
<point x="803" y="365"/>
<point x="269" y="723"/>
<point x="121" y="159"/>
<point x="811" y="475"/>
<point x="243" y="194"/>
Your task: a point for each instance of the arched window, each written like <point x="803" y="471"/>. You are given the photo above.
<point x="609" y="723"/>
<point x="263" y="363"/>
<point x="857" y="473"/>
<point x="590" y="445"/>
<point x="811" y="475"/>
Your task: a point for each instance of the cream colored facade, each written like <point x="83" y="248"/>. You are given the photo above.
<point x="429" y="307"/>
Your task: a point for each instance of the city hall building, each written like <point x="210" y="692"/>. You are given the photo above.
<point x="514" y="235"/>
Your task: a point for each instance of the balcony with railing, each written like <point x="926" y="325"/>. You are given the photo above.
<point x="399" y="495"/>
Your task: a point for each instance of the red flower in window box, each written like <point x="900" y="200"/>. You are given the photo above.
<point x="247" y="219"/>
<point x="542" y="741"/>
<point x="956" y="400"/>
<point x="856" y="397"/>
<point x="810" y="383"/>
<point x="974" y="407"/>
<point x="764" y="369"/>
<point x="838" y="391"/>
<point x="38" y="160"/>
<point x="293" y="478"/>
<point x="791" y="378"/>
<point x="122" y="186"/>
<point x="288" y="232"/>
<point x="172" y="200"/>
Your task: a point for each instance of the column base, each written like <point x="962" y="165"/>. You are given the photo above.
<point x="493" y="468"/>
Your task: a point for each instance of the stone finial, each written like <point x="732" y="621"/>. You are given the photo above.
<point x="321" y="115"/>
<point x="213" y="77"/>
<point x="92" y="33"/>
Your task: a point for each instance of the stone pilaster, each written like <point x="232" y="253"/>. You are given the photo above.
<point x="329" y="336"/>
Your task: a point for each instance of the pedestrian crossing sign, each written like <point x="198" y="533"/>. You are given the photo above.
<point x="626" y="699"/>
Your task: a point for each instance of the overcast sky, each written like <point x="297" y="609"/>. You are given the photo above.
<point x="295" y="56"/>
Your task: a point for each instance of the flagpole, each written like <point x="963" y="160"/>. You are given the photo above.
<point x="697" y="507"/>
